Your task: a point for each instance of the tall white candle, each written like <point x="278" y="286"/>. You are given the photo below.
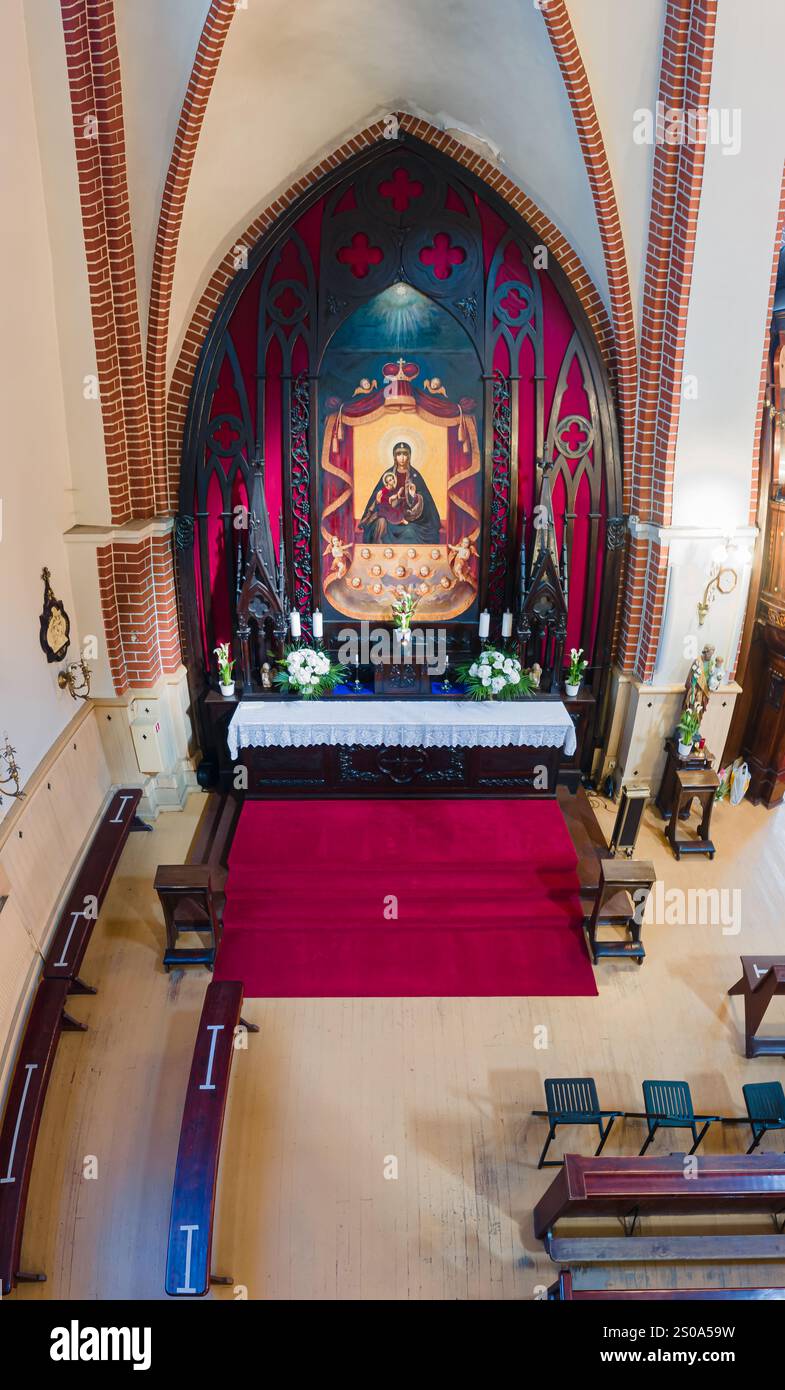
<point x="294" y="623"/>
<point x="317" y="623"/>
<point x="507" y="624"/>
<point x="484" y="625"/>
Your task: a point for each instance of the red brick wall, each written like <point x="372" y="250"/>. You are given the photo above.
<point x="685" y="82"/>
<point x="135" y="578"/>
<point x="568" y="56"/>
<point x="208" y="55"/>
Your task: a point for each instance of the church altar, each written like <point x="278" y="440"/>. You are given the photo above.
<point x="376" y="746"/>
<point x="401" y="724"/>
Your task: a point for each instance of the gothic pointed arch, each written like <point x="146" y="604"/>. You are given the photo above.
<point x="399" y="300"/>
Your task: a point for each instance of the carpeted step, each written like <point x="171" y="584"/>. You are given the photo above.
<point x="486" y="895"/>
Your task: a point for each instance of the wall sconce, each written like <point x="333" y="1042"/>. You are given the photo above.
<point x="9" y="771"/>
<point x="76" y="680"/>
<point x="723" y="578"/>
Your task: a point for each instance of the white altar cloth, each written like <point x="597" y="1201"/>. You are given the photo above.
<point x="401" y="724"/>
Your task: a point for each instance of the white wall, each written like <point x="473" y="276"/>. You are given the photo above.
<point x="53" y="128"/>
<point x="730" y="286"/>
<point x="157" y="41"/>
<point x="34" y="473"/>
<point x="620" y="45"/>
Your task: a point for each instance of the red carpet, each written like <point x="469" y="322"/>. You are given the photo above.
<point x="487" y="900"/>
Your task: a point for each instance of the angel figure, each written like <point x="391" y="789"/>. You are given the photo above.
<point x="338" y="550"/>
<point x="460" y="559"/>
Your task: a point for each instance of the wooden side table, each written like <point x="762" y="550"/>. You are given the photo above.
<point x="762" y="978"/>
<point x="622" y="895"/>
<point x="694" y="762"/>
<point x="689" y="785"/>
<point x="186" y="895"/>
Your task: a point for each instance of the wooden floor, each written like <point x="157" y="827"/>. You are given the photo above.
<point x="332" y="1091"/>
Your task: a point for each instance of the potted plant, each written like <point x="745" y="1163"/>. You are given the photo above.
<point x="495" y="675"/>
<point x="225" y="668"/>
<point x="687" y="729"/>
<point x="308" y="672"/>
<point x="403" y="611"/>
<point x="575" y="670"/>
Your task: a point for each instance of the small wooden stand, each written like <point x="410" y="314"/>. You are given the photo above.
<point x="186" y="895"/>
<point x="689" y="785"/>
<point x="622" y="894"/>
<point x="694" y="762"/>
<point x="762" y="978"/>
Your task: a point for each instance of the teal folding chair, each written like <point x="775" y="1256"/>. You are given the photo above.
<point x="765" y="1102"/>
<point x="573" y="1100"/>
<point x="669" y="1106"/>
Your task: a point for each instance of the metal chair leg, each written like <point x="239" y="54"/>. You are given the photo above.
<point x="701" y="1137"/>
<point x="756" y="1141"/>
<point x="648" y="1139"/>
<point x="603" y="1136"/>
<point x="551" y="1133"/>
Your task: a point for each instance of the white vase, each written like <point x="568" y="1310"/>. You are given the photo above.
<point x="227" y="690"/>
<point x="684" y="749"/>
<point x="572" y="690"/>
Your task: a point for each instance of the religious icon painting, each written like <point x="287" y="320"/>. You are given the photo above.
<point x="400" y="492"/>
<point x="55" y="624"/>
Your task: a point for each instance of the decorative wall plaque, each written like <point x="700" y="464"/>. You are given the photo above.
<point x="55" y="623"/>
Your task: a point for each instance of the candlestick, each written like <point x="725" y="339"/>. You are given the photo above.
<point x="294" y="623"/>
<point x="317" y="623"/>
<point x="507" y="624"/>
<point x="484" y="626"/>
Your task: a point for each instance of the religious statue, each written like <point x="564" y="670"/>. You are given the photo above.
<point x="460" y="559"/>
<point x="338" y="551"/>
<point x="400" y="507"/>
<point x="266" y="675"/>
<point x="705" y="675"/>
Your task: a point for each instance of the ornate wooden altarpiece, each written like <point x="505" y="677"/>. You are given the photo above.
<point x="399" y="300"/>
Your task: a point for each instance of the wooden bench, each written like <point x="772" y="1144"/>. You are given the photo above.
<point x="564" y="1291"/>
<point x="196" y="1175"/>
<point x="192" y="895"/>
<point x="76" y="921"/>
<point x="632" y="1187"/>
<point x="24" y="1107"/>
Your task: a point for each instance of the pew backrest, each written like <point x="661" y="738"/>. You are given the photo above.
<point x="196" y="1174"/>
<point x="619" y="1185"/>
<point x="77" y="919"/>
<point x="22" y="1118"/>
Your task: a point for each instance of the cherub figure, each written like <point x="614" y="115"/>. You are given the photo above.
<point x="460" y="559"/>
<point x="338" y="550"/>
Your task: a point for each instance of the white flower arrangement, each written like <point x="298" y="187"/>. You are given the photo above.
<point x="577" y="666"/>
<point x="495" y="675"/>
<point x="309" y="672"/>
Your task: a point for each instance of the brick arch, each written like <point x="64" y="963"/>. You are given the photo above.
<point x="685" y="83"/>
<point x="554" y="241"/>
<point x="568" y="56"/>
<point x="189" y="126"/>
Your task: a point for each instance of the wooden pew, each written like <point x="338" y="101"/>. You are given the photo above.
<point x="196" y="1175"/>
<point x="24" y="1107"/>
<point x="76" y="922"/>
<point x="564" y="1291"/>
<point x="632" y="1187"/>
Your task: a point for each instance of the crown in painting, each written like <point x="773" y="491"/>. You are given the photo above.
<point x="398" y="378"/>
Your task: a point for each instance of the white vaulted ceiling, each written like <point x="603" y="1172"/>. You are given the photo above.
<point x="295" y="80"/>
